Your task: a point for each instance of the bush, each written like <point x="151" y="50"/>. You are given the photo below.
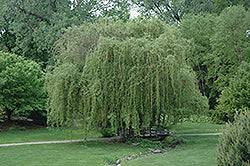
<point x="217" y="117"/>
<point x="145" y="143"/>
<point x="169" y="141"/>
<point x="21" y="86"/>
<point x="233" y="147"/>
<point x="172" y="141"/>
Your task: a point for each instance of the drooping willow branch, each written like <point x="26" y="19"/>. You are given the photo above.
<point x="128" y="79"/>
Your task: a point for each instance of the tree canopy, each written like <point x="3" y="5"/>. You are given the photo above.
<point x="131" y="74"/>
<point x="220" y="46"/>
<point x="220" y="5"/>
<point x="199" y="29"/>
<point x="30" y="28"/>
<point x="173" y="11"/>
<point x="236" y="96"/>
<point x="70" y="37"/>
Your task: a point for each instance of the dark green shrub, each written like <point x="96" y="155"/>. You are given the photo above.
<point x="217" y="117"/>
<point x="234" y="147"/>
<point x="172" y="141"/>
<point x="145" y="143"/>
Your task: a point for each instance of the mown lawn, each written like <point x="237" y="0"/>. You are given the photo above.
<point x="45" y="135"/>
<point x="90" y="154"/>
<point x="65" y="134"/>
<point x="199" y="150"/>
<point x="191" y="128"/>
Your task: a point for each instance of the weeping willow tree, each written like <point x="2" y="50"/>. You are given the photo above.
<point x="130" y="75"/>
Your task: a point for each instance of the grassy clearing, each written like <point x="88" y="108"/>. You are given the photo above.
<point x="199" y="150"/>
<point x="45" y="135"/>
<point x="91" y="153"/>
<point x="192" y="128"/>
<point x="65" y="133"/>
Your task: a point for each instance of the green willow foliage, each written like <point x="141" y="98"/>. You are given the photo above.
<point x="129" y="74"/>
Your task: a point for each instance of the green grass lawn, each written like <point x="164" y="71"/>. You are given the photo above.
<point x="90" y="154"/>
<point x="65" y="134"/>
<point x="44" y="135"/>
<point x="191" y="128"/>
<point x="199" y="150"/>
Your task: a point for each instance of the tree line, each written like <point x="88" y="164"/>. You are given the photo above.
<point x="178" y="58"/>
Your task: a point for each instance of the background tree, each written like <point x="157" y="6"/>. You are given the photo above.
<point x="173" y="11"/>
<point x="220" y="5"/>
<point x="230" y="47"/>
<point x="236" y="96"/>
<point x="7" y="39"/>
<point x="131" y="74"/>
<point x="21" y="85"/>
<point x="200" y="28"/>
<point x="30" y="28"/>
<point x="220" y="46"/>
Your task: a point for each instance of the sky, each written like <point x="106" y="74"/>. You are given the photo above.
<point x="134" y="12"/>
